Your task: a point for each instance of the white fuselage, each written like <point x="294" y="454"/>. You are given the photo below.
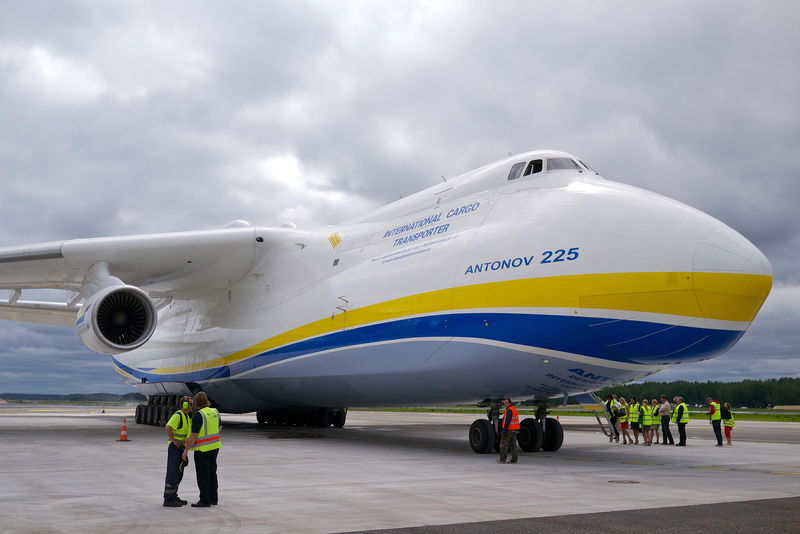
<point x="554" y="283"/>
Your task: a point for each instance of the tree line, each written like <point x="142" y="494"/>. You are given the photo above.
<point x="749" y="393"/>
<point x="74" y="397"/>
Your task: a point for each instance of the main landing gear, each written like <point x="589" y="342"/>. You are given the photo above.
<point x="314" y="417"/>
<point x="539" y="433"/>
<point x="158" y="410"/>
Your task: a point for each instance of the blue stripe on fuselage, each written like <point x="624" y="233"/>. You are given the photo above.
<point x="609" y="339"/>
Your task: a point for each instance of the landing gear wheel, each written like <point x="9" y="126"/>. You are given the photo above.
<point x="138" y="417"/>
<point x="339" y="417"/>
<point x="322" y="418"/>
<point x="530" y="436"/>
<point x="482" y="436"/>
<point x="553" y="435"/>
<point x="261" y="417"/>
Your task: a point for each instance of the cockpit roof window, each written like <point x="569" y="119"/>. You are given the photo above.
<point x="555" y="164"/>
<point x="516" y="171"/>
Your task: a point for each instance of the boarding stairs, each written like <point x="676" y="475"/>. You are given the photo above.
<point x="594" y="404"/>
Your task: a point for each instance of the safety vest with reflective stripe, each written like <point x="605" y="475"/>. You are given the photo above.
<point x="514" y="418"/>
<point x="635" y="413"/>
<point x="647" y="413"/>
<point x="624" y="417"/>
<point x="184" y="426"/>
<point x="208" y="437"/>
<point x="684" y="415"/>
<point x="729" y="422"/>
<point x="717" y="415"/>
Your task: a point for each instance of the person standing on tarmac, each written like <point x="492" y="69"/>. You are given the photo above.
<point x="655" y="424"/>
<point x="715" y="418"/>
<point x="634" y="417"/>
<point x="623" y="421"/>
<point x="680" y="416"/>
<point x="177" y="429"/>
<point x="664" y="411"/>
<point x="728" y="421"/>
<point x="646" y="418"/>
<point x="204" y="440"/>
<point x="612" y="405"/>
<point x="508" y="433"/>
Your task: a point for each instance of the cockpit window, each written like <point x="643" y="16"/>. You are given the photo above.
<point x="534" y="167"/>
<point x="555" y="164"/>
<point x="516" y="170"/>
<point x="588" y="168"/>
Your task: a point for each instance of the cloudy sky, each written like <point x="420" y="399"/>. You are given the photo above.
<point x="135" y="117"/>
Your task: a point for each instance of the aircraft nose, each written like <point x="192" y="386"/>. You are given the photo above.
<point x="732" y="278"/>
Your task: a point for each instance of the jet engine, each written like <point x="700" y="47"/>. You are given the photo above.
<point x="117" y="319"/>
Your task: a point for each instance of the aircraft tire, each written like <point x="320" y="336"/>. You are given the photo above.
<point x="530" y="436"/>
<point x="482" y="436"/>
<point x="138" y="417"/>
<point x="148" y="420"/>
<point x="553" y="435"/>
<point x="339" y="417"/>
<point x="322" y="418"/>
<point x="261" y="417"/>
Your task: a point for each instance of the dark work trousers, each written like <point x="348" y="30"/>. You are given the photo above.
<point x="681" y="433"/>
<point x="205" y="466"/>
<point x="508" y="442"/>
<point x="666" y="434"/>
<point x="613" y="421"/>
<point x="717" y="424"/>
<point x="175" y="467"/>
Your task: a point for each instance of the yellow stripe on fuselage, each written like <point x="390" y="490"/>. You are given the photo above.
<point x="720" y="296"/>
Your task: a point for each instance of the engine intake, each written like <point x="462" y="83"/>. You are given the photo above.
<point x="117" y="319"/>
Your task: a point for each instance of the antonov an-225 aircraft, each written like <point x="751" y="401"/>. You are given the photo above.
<point x="532" y="277"/>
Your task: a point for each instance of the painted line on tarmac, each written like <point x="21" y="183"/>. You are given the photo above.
<point x="782" y="473"/>
<point x="711" y="468"/>
<point x="641" y="463"/>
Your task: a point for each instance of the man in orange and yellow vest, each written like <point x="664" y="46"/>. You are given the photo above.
<point x="508" y="432"/>
<point x="204" y="440"/>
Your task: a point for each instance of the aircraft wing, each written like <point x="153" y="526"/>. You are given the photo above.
<point x="176" y="265"/>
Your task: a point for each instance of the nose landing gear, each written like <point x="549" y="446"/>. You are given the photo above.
<point x="539" y="433"/>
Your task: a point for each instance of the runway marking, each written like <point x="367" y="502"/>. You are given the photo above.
<point x="641" y="463"/>
<point x="783" y="473"/>
<point x="711" y="468"/>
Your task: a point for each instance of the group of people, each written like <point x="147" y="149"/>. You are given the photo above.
<point x="198" y="432"/>
<point x="648" y="418"/>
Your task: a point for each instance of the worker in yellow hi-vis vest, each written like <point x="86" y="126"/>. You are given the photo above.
<point x="715" y="418"/>
<point x="204" y="440"/>
<point x="177" y="429"/>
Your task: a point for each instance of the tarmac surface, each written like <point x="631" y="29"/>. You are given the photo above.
<point x="62" y="470"/>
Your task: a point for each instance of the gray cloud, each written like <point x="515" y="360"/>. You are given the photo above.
<point x="140" y="117"/>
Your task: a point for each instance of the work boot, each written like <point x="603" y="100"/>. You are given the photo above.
<point x="173" y="504"/>
<point x="183" y="503"/>
<point x="501" y="461"/>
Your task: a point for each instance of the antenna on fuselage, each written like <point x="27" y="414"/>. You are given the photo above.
<point x="444" y="179"/>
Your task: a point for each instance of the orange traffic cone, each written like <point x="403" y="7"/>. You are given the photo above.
<point x="124" y="434"/>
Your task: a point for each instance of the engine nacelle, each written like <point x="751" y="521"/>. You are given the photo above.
<point x="117" y="319"/>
